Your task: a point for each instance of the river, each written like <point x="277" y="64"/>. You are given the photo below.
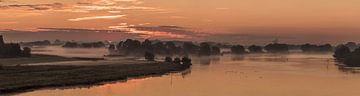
<point x="228" y="75"/>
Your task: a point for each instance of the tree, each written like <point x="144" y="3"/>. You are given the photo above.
<point x="147" y="45"/>
<point x="277" y="48"/>
<point x="168" y="59"/>
<point x="342" y="52"/>
<point x="238" y="49"/>
<point x="149" y="56"/>
<point x="353" y="59"/>
<point x="255" y="49"/>
<point x="26" y="52"/>
<point x="205" y="49"/>
<point x="186" y="61"/>
<point x="171" y="48"/>
<point x="310" y="48"/>
<point x="177" y="60"/>
<point x="215" y="50"/>
<point x="159" y="48"/>
<point x="325" y="48"/>
<point x="190" y="47"/>
<point x="70" y="45"/>
<point x="351" y="45"/>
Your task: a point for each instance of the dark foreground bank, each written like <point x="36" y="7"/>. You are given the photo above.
<point x="14" y="79"/>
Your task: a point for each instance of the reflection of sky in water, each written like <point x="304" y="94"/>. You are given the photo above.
<point x="251" y="75"/>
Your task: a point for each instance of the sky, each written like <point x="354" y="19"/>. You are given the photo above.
<point x="235" y="21"/>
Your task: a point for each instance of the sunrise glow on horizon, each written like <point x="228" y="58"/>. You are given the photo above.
<point x="297" y="21"/>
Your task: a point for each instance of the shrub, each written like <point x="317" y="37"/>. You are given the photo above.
<point x="177" y="60"/>
<point x="168" y="59"/>
<point x="149" y="56"/>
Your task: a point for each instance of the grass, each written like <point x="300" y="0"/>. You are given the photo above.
<point x="36" y="58"/>
<point x="15" y="79"/>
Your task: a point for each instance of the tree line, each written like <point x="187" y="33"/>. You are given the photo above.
<point x="348" y="57"/>
<point x="138" y="48"/>
<point x="13" y="50"/>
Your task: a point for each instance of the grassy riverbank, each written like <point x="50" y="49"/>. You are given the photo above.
<point x="27" y="78"/>
<point x="36" y="58"/>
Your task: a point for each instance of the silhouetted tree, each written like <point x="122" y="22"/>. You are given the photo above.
<point x="351" y="45"/>
<point x="341" y="52"/>
<point x="168" y="59"/>
<point x="205" y="49"/>
<point x="177" y="60"/>
<point x="215" y="50"/>
<point x="326" y="48"/>
<point x="353" y="59"/>
<point x="277" y="48"/>
<point x="2" y="43"/>
<point x="160" y="48"/>
<point x="71" y="45"/>
<point x="147" y="46"/>
<point x="190" y="47"/>
<point x="12" y="50"/>
<point x="255" y="49"/>
<point x="238" y="49"/>
<point x="112" y="47"/>
<point x="186" y="61"/>
<point x="310" y="48"/>
<point x="26" y="52"/>
<point x="171" y="48"/>
<point x="149" y="56"/>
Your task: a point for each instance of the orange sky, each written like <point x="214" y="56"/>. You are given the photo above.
<point x="304" y="19"/>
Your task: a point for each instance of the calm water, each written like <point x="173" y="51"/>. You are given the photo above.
<point x="253" y="75"/>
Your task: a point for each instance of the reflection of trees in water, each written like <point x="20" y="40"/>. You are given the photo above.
<point x="237" y="57"/>
<point x="353" y="70"/>
<point x="207" y="60"/>
<point x="260" y="57"/>
<point x="186" y="73"/>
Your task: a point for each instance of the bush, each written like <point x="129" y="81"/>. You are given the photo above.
<point x="149" y="56"/>
<point x="27" y="52"/>
<point x="341" y="52"/>
<point x="255" y="49"/>
<point x="168" y="59"/>
<point x="277" y="48"/>
<point x="177" y="60"/>
<point x="186" y="61"/>
<point x="238" y="49"/>
<point x="353" y="58"/>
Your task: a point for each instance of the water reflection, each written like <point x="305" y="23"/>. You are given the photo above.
<point x="206" y="60"/>
<point x="230" y="75"/>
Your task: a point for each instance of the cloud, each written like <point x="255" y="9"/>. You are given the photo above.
<point x="66" y="34"/>
<point x="97" y="17"/>
<point x="169" y="32"/>
<point x="55" y="6"/>
<point x="83" y="6"/>
<point x="114" y="11"/>
<point x="108" y="2"/>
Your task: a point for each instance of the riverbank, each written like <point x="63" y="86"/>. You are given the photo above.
<point x="15" y="79"/>
<point x="35" y="58"/>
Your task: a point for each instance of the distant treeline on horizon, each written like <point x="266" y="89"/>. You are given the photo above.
<point x="136" y="47"/>
<point x="181" y="46"/>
